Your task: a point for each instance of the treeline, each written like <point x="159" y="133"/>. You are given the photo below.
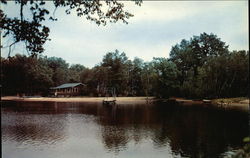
<point x="201" y="67"/>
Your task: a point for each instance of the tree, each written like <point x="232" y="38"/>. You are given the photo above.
<point x="21" y="74"/>
<point x="190" y="56"/>
<point x="60" y="70"/>
<point x="100" y="79"/>
<point x="136" y="80"/>
<point x="87" y="77"/>
<point x="148" y="78"/>
<point x="226" y="75"/>
<point x="98" y="11"/>
<point x="239" y="67"/>
<point x="166" y="77"/>
<point x="181" y="55"/>
<point x="194" y="53"/>
<point x="116" y="65"/>
<point x="74" y="72"/>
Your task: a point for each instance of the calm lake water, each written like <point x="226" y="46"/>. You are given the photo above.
<point x="80" y="130"/>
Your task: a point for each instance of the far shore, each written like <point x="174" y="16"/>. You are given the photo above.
<point x="226" y="103"/>
<point x="119" y="100"/>
<point x="229" y="103"/>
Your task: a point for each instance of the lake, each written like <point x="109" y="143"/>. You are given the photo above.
<point x="91" y="130"/>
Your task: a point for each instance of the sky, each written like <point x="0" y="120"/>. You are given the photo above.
<point x="154" y="29"/>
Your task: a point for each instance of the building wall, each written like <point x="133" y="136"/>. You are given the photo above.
<point x="74" y="91"/>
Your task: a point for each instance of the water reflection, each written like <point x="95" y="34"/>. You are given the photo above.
<point x="176" y="130"/>
<point x="192" y="131"/>
<point x="26" y="126"/>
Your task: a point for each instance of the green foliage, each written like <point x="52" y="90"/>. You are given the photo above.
<point x="35" y="75"/>
<point x="136" y="77"/>
<point x="60" y="70"/>
<point x="148" y="79"/>
<point x="227" y="75"/>
<point x="200" y="68"/>
<point x="208" y="69"/>
<point x="166" y="84"/>
<point x="116" y="67"/>
<point x="74" y="72"/>
<point x="21" y="74"/>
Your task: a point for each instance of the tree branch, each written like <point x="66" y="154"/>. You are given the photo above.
<point x="10" y="48"/>
<point x="21" y="11"/>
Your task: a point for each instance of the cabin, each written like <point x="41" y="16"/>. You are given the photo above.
<point x="67" y="90"/>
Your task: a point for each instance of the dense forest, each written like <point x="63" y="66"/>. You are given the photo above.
<point x="201" y="67"/>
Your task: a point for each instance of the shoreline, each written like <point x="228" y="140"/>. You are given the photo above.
<point x="119" y="100"/>
<point x="228" y="103"/>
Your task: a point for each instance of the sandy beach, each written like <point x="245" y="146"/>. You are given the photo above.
<point x="243" y="105"/>
<point x="119" y="100"/>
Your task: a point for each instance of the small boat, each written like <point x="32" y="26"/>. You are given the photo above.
<point x="207" y="101"/>
<point x="110" y="100"/>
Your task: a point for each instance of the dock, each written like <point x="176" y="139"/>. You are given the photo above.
<point x="207" y="101"/>
<point x="110" y="97"/>
<point x="109" y="102"/>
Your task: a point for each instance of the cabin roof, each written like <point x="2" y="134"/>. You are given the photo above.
<point x="67" y="85"/>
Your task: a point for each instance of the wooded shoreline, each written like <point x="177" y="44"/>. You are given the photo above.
<point x="201" y="67"/>
<point x="220" y="103"/>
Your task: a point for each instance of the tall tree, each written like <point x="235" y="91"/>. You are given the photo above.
<point x="190" y="56"/>
<point x="28" y="75"/>
<point x="136" y="80"/>
<point x="60" y="70"/>
<point x="226" y="75"/>
<point x="116" y="64"/>
<point x="166" y="77"/>
<point x="194" y="53"/>
<point x="74" y="72"/>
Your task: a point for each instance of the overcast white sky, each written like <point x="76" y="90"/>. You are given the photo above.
<point x="154" y="29"/>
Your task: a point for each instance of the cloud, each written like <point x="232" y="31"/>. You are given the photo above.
<point x="154" y="29"/>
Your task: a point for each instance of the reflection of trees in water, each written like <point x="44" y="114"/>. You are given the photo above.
<point x="119" y="125"/>
<point x="190" y="131"/>
<point x="114" y="138"/>
<point x="40" y="123"/>
<point x="50" y="107"/>
<point x="201" y="132"/>
<point x="35" y="129"/>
